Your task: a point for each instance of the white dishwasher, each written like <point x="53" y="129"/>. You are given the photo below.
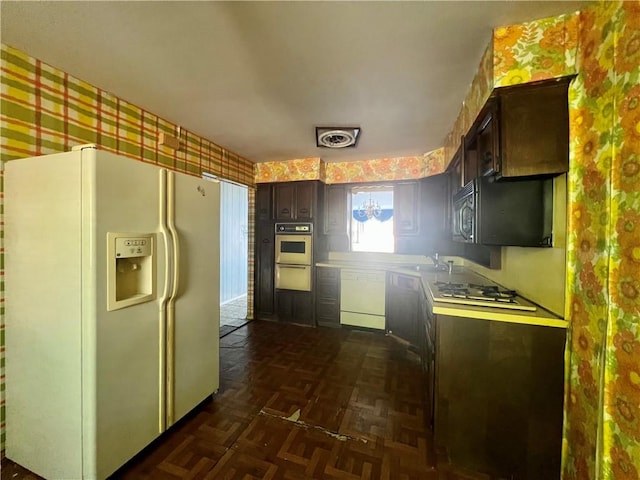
<point x="362" y="298"/>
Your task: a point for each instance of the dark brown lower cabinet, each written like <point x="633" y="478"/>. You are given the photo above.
<point x="328" y="297"/>
<point x="428" y="356"/>
<point x="499" y="396"/>
<point x="404" y="294"/>
<point x="295" y="307"/>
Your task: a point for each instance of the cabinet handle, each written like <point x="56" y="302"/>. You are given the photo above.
<point x="285" y="211"/>
<point x="304" y="210"/>
<point x="266" y="240"/>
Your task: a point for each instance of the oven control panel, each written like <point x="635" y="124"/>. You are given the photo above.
<point x="302" y="228"/>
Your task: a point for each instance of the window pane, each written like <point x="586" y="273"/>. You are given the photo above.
<point x="372" y="219"/>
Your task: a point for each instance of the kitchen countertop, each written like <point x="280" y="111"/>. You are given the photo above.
<point x="421" y="267"/>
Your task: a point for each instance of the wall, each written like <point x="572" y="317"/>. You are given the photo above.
<point x="45" y="110"/>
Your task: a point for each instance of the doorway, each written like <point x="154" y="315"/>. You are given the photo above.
<point x="234" y="235"/>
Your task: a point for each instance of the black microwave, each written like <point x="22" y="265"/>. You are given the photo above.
<point x="514" y="213"/>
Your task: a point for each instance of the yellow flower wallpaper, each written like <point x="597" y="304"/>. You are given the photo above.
<point x="537" y="50"/>
<point x="288" y="171"/>
<point x="603" y="359"/>
<point x="398" y="168"/>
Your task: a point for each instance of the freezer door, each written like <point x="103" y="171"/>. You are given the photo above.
<point x="125" y="372"/>
<point x="193" y="350"/>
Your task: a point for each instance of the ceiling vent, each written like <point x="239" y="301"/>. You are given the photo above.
<point x="337" y="137"/>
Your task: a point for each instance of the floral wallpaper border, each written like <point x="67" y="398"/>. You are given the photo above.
<point x="398" y="168"/>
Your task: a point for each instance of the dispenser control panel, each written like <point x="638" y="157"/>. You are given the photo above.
<point x="131" y="269"/>
<point x="129" y="247"/>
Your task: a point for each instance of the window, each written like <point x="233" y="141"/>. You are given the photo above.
<point x="372" y="218"/>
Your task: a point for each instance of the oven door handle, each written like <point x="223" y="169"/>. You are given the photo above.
<point x="299" y="267"/>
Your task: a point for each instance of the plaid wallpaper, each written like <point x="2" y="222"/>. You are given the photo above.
<point x="44" y="110"/>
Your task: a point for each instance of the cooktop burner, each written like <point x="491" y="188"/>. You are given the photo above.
<point x="475" y="294"/>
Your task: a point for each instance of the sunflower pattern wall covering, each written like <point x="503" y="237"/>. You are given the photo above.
<point x="398" y="168"/>
<point x="602" y="407"/>
<point x="533" y="51"/>
<point x="44" y="110"/>
<point x="289" y="171"/>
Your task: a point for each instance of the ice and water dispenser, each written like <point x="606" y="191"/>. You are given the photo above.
<point x="131" y="269"/>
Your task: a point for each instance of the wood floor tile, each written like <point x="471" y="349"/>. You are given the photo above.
<point x="299" y="403"/>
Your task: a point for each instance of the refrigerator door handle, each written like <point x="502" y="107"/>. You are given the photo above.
<point x="164" y="299"/>
<point x="170" y="384"/>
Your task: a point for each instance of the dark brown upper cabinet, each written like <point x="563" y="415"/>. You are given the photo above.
<point x="482" y="147"/>
<point x="455" y="169"/>
<point x="294" y="201"/>
<point x="406" y="208"/>
<point x="522" y="131"/>
<point x="264" y="201"/>
<point x="534" y="133"/>
<point x="336" y="209"/>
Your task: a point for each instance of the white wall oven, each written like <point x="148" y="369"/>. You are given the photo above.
<point x="293" y="256"/>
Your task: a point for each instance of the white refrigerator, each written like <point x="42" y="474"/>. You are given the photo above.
<point x="112" y="307"/>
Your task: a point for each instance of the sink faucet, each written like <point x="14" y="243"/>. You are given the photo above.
<point x="436" y="260"/>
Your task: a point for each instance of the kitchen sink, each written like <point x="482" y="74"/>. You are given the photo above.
<point x="425" y="268"/>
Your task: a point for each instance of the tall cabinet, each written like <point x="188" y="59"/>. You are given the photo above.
<point x="264" y="298"/>
<point x="281" y="203"/>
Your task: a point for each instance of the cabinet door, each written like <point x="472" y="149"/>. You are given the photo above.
<point x="295" y="307"/>
<point x="264" y="202"/>
<point x="403" y="308"/>
<point x="427" y="332"/>
<point x="335" y="210"/>
<point x="482" y="143"/>
<point x="406" y="199"/>
<point x="304" y="198"/>
<point x="535" y="129"/>
<point x="328" y="297"/>
<point x="285" y="201"/>
<point x="264" y="272"/>
<point x="488" y="144"/>
<point x="435" y="218"/>
<point x="455" y="169"/>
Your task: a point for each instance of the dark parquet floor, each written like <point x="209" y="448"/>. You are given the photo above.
<point x="299" y="403"/>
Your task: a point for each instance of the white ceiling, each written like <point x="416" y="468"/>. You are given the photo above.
<point x="258" y="77"/>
